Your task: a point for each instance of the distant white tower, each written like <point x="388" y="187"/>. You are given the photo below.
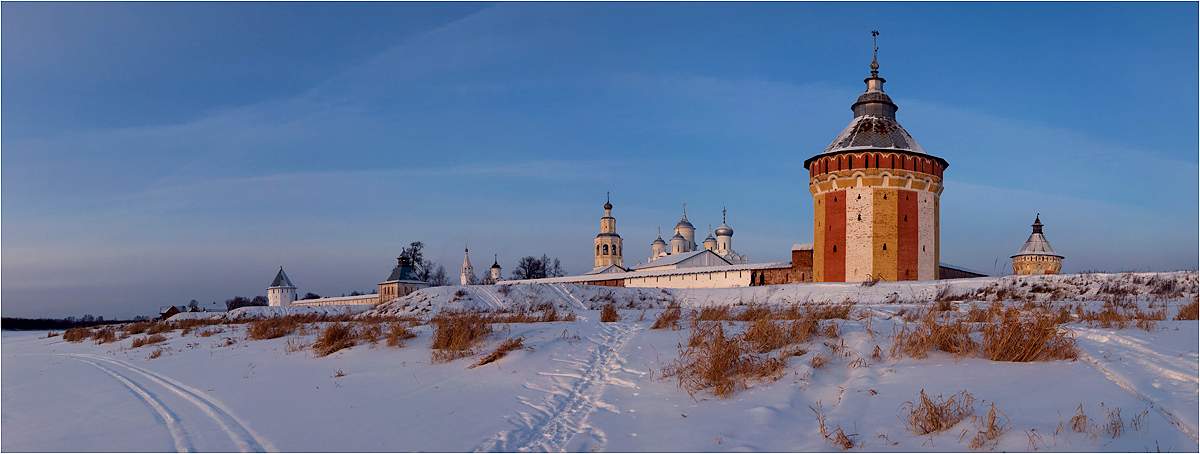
<point x="658" y="248"/>
<point x="687" y="231"/>
<point x="724" y="236"/>
<point x="608" y="243"/>
<point x="710" y="243"/>
<point x="494" y="271"/>
<point x="281" y="292"/>
<point x="467" y="275"/>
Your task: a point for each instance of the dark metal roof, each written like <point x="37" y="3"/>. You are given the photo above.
<point x="403" y="271"/>
<point x="281" y="280"/>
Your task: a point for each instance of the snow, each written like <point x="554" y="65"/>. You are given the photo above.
<point x="586" y="385"/>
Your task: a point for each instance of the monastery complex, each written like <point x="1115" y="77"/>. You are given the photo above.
<point x="876" y="216"/>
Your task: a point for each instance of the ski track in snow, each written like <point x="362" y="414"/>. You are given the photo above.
<point x="562" y="290"/>
<point x="178" y="436"/>
<point x="564" y="412"/>
<point x="242" y="436"/>
<point x="1170" y="369"/>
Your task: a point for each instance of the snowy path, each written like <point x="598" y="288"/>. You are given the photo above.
<point x="178" y="435"/>
<point x="1164" y="379"/>
<point x="572" y="398"/>
<point x="243" y="437"/>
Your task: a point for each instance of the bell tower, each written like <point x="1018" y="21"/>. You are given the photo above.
<point x="608" y="249"/>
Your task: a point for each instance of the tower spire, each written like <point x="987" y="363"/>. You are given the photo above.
<point x="723" y="221"/>
<point x="874" y="53"/>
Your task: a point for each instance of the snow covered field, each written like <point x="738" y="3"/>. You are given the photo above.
<point x="584" y="385"/>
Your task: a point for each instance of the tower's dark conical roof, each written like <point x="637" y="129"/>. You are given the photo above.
<point x="281" y="279"/>
<point x="874" y="126"/>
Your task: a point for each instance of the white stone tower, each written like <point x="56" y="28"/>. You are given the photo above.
<point x="608" y="242"/>
<point x="686" y="230"/>
<point x="466" y="275"/>
<point x="710" y="243"/>
<point x="658" y="248"/>
<point x="281" y="292"/>
<point x="724" y="236"/>
<point x="494" y="271"/>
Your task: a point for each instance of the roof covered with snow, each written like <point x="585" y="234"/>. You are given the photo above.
<point x="1036" y="245"/>
<point x="675" y="259"/>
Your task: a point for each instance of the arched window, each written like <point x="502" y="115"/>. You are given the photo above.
<point x="885" y="246"/>
<point x="605" y="249"/>
<point x="597" y="249"/>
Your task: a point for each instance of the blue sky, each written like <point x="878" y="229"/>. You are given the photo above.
<point x="154" y="153"/>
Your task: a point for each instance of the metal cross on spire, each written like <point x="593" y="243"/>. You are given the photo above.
<point x="874" y="53"/>
<point x="685" y="210"/>
<point x="723" y="215"/>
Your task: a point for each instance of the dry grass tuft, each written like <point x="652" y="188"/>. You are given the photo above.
<point x="155" y="354"/>
<point x="209" y="332"/>
<point x="1033" y="339"/>
<point x="953" y="336"/>
<point x="137" y="327"/>
<point x="838" y="438"/>
<point x="1189" y="311"/>
<point x="370" y="332"/>
<point x="51" y="334"/>
<point x="818" y="361"/>
<point x="148" y="340"/>
<point x="609" y="314"/>
<point x="668" y="318"/>
<point x="397" y="333"/>
<point x="160" y="327"/>
<point x="714" y="313"/>
<point x="456" y="335"/>
<point x="333" y="338"/>
<point x="105" y="335"/>
<point x="765" y="335"/>
<point x="990" y="430"/>
<point x="507" y="346"/>
<point x="1079" y="422"/>
<point x="935" y="415"/>
<point x="877" y="354"/>
<point x="271" y="328"/>
<point x="1115" y="425"/>
<point x="76" y="334"/>
<point x="722" y="364"/>
<point x="830" y="330"/>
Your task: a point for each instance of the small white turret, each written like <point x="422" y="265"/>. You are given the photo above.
<point x="710" y="243"/>
<point x="281" y="292"/>
<point x="494" y="271"/>
<point x="658" y="247"/>
<point x="724" y="236"/>
<point x="467" y="275"/>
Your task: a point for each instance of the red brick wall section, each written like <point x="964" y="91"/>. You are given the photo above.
<point x="907" y="220"/>
<point x="835" y="236"/>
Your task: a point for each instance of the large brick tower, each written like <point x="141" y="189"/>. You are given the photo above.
<point x="875" y="197"/>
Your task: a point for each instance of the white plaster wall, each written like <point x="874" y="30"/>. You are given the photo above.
<point x="715" y="279"/>
<point x="280" y="296"/>
<point x="927" y="247"/>
<point x="859" y="201"/>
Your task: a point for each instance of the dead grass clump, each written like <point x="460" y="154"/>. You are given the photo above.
<point x="507" y="346"/>
<point x="944" y="306"/>
<point x="105" y="335"/>
<point x="838" y="438"/>
<point x="753" y="312"/>
<point x="456" y="335"/>
<point x="397" y="333"/>
<point x="800" y="331"/>
<point x="209" y="332"/>
<point x="722" y="364"/>
<point x="990" y="430"/>
<point x="76" y="334"/>
<point x="818" y="361"/>
<point x="830" y="330"/>
<point x="51" y="334"/>
<point x="160" y="327"/>
<point x="370" y="332"/>
<point x="271" y="328"/>
<point x="1032" y="339"/>
<point x="148" y="340"/>
<point x="952" y="336"/>
<point x="714" y="313"/>
<point x="137" y="327"/>
<point x="765" y="335"/>
<point x="1189" y="311"/>
<point x="668" y="318"/>
<point x="609" y="314"/>
<point x="935" y="415"/>
<point x="1115" y="425"/>
<point x="155" y="354"/>
<point x="333" y="338"/>
<point x="1079" y="422"/>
